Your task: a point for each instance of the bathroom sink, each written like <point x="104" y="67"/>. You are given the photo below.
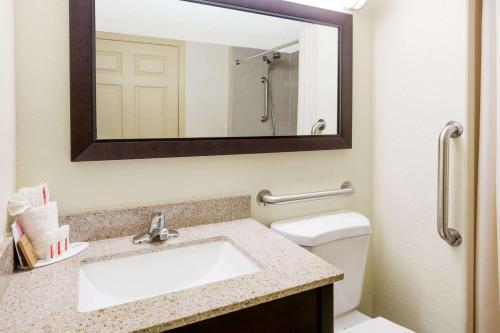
<point x="122" y="280"/>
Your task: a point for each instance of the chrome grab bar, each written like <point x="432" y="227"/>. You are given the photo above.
<point x="265" y="117"/>
<point x="265" y="197"/>
<point x="319" y="125"/>
<point x="451" y="130"/>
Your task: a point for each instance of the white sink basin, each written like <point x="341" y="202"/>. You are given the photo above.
<point x="122" y="280"/>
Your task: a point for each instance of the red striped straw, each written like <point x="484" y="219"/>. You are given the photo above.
<point x="51" y="251"/>
<point x="19" y="228"/>
<point x="58" y="248"/>
<point x="44" y="196"/>
<point x="66" y="244"/>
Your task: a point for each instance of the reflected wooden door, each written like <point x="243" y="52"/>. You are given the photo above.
<point x="137" y="87"/>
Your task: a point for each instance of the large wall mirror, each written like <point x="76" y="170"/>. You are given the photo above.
<point x="165" y="78"/>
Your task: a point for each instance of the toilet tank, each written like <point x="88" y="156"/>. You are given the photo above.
<point x="340" y="238"/>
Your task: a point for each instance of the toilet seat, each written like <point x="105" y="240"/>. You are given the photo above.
<point x="377" y="325"/>
<point x="349" y="319"/>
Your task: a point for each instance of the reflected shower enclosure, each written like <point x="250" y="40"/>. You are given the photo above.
<point x="264" y="92"/>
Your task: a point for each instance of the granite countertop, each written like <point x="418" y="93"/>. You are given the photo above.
<point x="46" y="299"/>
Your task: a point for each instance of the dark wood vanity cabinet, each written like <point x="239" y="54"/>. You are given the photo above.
<point x="307" y="312"/>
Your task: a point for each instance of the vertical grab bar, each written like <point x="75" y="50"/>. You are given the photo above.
<point x="451" y="130"/>
<point x="265" y="117"/>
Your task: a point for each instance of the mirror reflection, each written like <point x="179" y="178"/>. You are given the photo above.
<point x="178" y="69"/>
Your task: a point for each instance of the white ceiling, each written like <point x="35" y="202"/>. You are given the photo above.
<point x="181" y="20"/>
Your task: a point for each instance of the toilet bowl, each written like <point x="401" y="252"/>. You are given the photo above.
<point x="340" y="238"/>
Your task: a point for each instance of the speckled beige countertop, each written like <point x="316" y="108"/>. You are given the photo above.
<point x="46" y="299"/>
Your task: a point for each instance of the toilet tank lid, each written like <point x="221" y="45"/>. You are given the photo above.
<point x="323" y="228"/>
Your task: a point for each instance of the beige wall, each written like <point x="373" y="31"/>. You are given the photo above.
<point x="44" y="150"/>
<point x="420" y="281"/>
<point x="7" y="110"/>
<point x="420" y="81"/>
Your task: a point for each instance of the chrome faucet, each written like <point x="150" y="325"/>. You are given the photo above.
<point x="157" y="231"/>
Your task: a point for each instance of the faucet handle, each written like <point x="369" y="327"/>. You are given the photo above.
<point x="166" y="234"/>
<point x="157" y="221"/>
<point x="157" y="230"/>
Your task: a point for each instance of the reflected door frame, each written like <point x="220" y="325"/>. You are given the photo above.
<point x="180" y="45"/>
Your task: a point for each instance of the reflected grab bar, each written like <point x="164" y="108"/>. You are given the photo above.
<point x="451" y="130"/>
<point x="265" y="117"/>
<point x="319" y="125"/>
<point x="265" y="197"/>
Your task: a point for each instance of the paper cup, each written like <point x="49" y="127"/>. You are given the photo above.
<point x="36" y="222"/>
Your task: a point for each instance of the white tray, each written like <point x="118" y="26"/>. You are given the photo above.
<point x="73" y="250"/>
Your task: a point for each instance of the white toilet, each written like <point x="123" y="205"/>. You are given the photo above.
<point x="341" y="239"/>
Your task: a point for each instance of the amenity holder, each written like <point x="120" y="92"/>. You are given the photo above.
<point x="59" y="247"/>
<point x="38" y="238"/>
<point x="265" y="197"/>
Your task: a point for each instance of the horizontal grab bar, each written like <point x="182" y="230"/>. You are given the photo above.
<point x="265" y="197"/>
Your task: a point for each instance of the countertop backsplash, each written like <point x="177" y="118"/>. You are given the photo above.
<point x="112" y="223"/>
<point x="6" y="262"/>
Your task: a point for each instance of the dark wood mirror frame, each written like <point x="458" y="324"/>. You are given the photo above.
<point x="86" y="147"/>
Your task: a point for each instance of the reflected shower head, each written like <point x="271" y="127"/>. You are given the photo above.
<point x="276" y="56"/>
